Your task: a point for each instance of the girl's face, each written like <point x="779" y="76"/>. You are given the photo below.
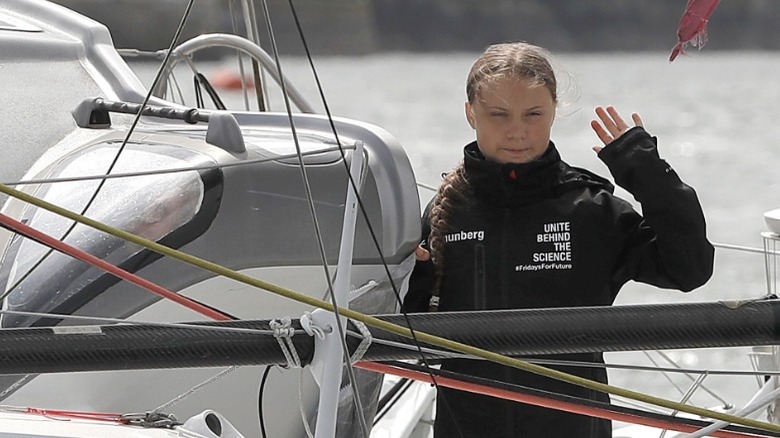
<point x="512" y="118"/>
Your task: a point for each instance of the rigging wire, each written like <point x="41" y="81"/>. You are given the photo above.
<point x="261" y="391"/>
<point x="201" y="81"/>
<point x="175" y="169"/>
<point x="317" y="230"/>
<point x="192" y="390"/>
<point x="687" y="396"/>
<point x="764" y="397"/>
<point x="250" y="24"/>
<point x="689" y="376"/>
<point x="361" y="205"/>
<point x="198" y="94"/>
<point x="392" y="396"/>
<point x="240" y="58"/>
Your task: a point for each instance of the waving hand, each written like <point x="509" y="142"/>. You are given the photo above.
<point x="611" y="125"/>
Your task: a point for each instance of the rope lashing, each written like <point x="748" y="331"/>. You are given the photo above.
<point x="283" y="332"/>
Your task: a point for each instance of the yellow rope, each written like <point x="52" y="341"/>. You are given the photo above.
<point x="384" y="325"/>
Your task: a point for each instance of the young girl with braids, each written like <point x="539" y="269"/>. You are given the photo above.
<point x="513" y="226"/>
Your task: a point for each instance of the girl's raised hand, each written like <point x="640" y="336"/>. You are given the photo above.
<point x="611" y="125"/>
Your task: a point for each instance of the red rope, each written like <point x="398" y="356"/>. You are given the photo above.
<point x="76" y="253"/>
<point x="542" y="401"/>
<point x="84" y="415"/>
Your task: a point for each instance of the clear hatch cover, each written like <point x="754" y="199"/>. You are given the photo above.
<point x="152" y="206"/>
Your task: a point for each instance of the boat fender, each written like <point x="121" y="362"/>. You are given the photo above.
<point x="210" y="424"/>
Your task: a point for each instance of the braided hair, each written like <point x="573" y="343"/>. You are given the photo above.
<point x="451" y="193"/>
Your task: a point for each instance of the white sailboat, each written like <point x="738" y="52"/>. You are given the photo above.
<point x="227" y="189"/>
<point x="239" y="202"/>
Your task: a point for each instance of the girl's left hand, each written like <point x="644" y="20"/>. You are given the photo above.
<point x="613" y="125"/>
<point x="422" y="254"/>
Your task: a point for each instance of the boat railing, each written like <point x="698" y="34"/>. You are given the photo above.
<point x="187" y="49"/>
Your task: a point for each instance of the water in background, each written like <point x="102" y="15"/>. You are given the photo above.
<point x="713" y="113"/>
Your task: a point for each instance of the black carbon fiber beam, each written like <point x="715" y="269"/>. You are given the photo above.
<point x="132" y="346"/>
<point x="594" y="329"/>
<point x="514" y="333"/>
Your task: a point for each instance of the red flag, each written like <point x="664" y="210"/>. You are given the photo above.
<point x="693" y="25"/>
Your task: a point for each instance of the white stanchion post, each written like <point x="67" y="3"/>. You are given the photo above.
<point x="329" y="372"/>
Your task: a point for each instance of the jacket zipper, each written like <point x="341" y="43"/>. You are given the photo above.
<point x="502" y="260"/>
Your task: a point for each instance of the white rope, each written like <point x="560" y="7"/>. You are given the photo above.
<point x="190" y="391"/>
<point x="283" y="332"/>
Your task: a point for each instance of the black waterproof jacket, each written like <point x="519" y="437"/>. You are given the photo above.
<point x="545" y="234"/>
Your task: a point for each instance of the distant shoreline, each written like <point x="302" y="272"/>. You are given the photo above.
<point x="359" y="27"/>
